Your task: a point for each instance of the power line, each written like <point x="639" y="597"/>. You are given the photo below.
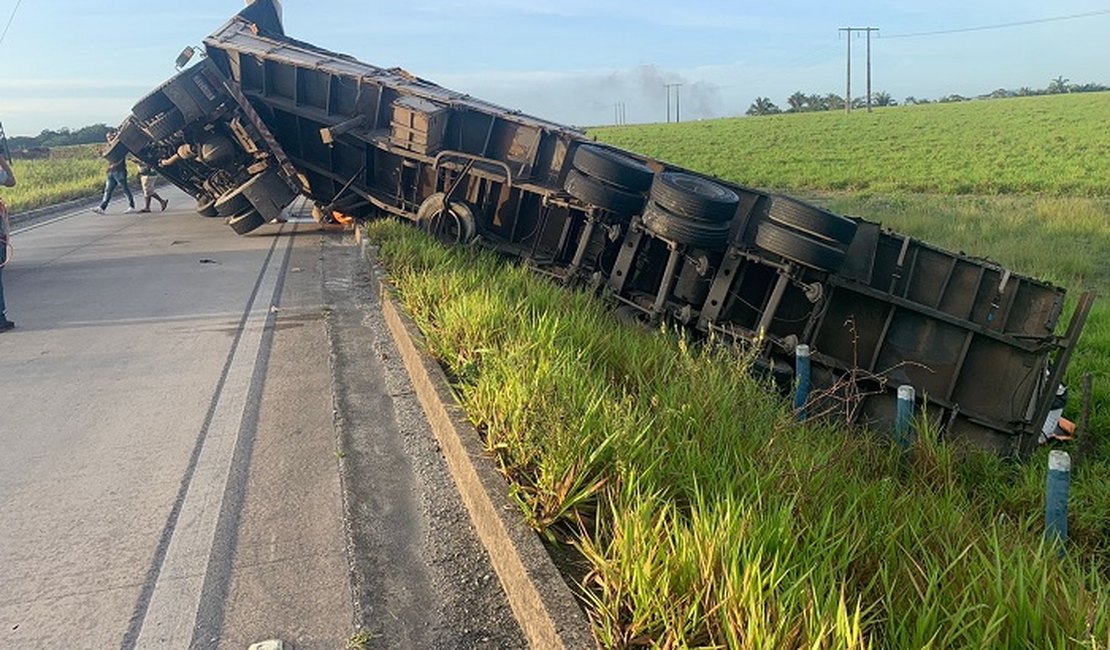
<point x="980" y="28"/>
<point x="10" y="19"/>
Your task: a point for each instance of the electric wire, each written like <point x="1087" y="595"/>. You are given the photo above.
<point x="1019" y="23"/>
<point x="10" y="19"/>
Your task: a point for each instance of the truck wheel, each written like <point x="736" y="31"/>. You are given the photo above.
<point x="613" y="168"/>
<point x="812" y="220"/>
<point x="150" y="106"/>
<point x="206" y="207"/>
<point x="798" y="248"/>
<point x="694" y="197"/>
<point x="231" y="202"/>
<point x="603" y="195"/>
<point x="132" y="137"/>
<point x="268" y="192"/>
<point x="246" y="222"/>
<point x="165" y="125"/>
<point x="712" y="236"/>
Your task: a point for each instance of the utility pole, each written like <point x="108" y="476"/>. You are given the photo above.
<point x="869" y="30"/>
<point x="677" y="102"/>
<point x="848" y="90"/>
<point x="668" y="87"/>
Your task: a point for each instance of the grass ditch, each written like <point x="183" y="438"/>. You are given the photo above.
<point x="702" y="515"/>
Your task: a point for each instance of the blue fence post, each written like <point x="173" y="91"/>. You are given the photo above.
<point x="801" y="373"/>
<point x="1056" y="497"/>
<point x="903" y="436"/>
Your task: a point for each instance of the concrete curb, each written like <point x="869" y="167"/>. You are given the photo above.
<point x="541" y="601"/>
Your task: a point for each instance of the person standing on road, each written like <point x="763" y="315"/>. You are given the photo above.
<point x="146" y="179"/>
<point x="117" y="175"/>
<point x="7" y="179"/>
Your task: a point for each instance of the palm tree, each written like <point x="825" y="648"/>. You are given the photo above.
<point x="763" y="106"/>
<point x="817" y="102"/>
<point x="882" y="99"/>
<point x="797" y="101"/>
<point x="834" y="102"/>
<point x="1058" y="85"/>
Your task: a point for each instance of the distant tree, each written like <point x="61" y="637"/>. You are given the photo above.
<point x="1026" y="91"/>
<point x="763" y="106"/>
<point x="834" y="102"/>
<point x="909" y="101"/>
<point x="817" y="102"/>
<point x="947" y="99"/>
<point x="882" y="99"/>
<point x="1089" y="88"/>
<point x="1058" y="85"/>
<point x="797" y="102"/>
<point x="1000" y="93"/>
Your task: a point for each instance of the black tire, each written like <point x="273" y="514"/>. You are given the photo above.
<point x="455" y="226"/>
<point x="132" y="137"/>
<point x="632" y="317"/>
<point x="595" y="192"/>
<point x="206" y="207"/>
<point x="246" y="222"/>
<point x="231" y="203"/>
<point x="712" y="236"/>
<point x="268" y="192"/>
<point x="694" y="197"/>
<point x="165" y="125"/>
<point x="150" y="106"/>
<point x="812" y="220"/>
<point x="798" y="248"/>
<point x="613" y="168"/>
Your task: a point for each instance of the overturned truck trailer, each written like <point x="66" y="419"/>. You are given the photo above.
<point x="264" y="118"/>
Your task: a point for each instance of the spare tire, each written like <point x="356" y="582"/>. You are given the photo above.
<point x="451" y="226"/>
<point x="694" y="197"/>
<point x="612" y="167"/>
<point x="798" y="248"/>
<point x="812" y="220"/>
<point x="710" y="235"/>
<point x="595" y="192"/>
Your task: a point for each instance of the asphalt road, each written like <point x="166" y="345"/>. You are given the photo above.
<point x="208" y="441"/>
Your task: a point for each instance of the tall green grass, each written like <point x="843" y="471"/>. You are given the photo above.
<point x="1053" y="145"/>
<point x="69" y="173"/>
<point x="704" y="516"/>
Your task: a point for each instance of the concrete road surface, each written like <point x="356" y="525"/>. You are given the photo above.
<point x="205" y="441"/>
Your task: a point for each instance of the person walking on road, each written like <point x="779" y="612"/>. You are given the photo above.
<point x="7" y="179"/>
<point x="117" y="175"/>
<point x="146" y="179"/>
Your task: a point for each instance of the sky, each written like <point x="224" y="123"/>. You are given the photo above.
<point x="71" y="63"/>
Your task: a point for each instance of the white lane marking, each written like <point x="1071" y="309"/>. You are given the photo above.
<point x="43" y="224"/>
<point x="175" y="599"/>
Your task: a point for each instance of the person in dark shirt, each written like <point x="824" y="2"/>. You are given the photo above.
<point x="117" y="175"/>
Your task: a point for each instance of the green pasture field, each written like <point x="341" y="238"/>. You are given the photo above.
<point x="69" y="173"/>
<point x="1054" y="144"/>
<point x="703" y="515"/>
